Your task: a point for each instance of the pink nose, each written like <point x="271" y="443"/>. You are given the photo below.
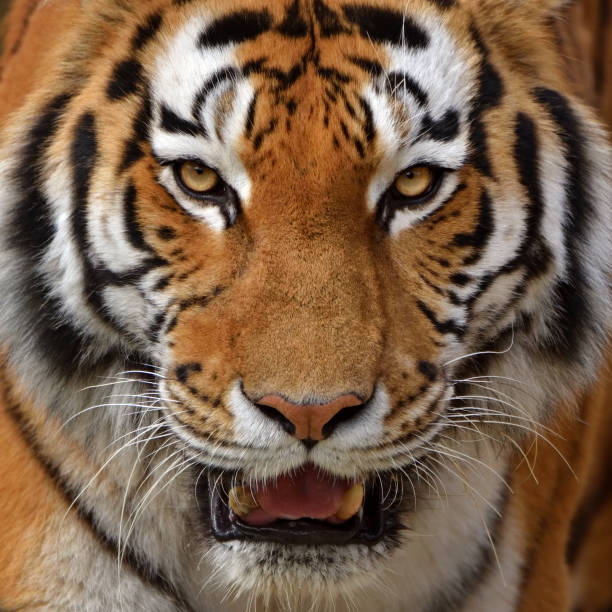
<point x="313" y="421"/>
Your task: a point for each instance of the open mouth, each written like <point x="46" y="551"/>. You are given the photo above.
<point x="305" y="507"/>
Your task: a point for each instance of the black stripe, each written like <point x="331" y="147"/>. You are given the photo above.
<point x="386" y="26"/>
<point x="127" y="79"/>
<point x="444" y="129"/>
<point x="83" y="156"/>
<point x="293" y="25"/>
<point x="250" y="118"/>
<point x="140" y="135"/>
<point x="533" y="253"/>
<point x="236" y="28"/>
<point x="163" y="282"/>
<point x="166" y="233"/>
<point x="573" y="317"/>
<point x="229" y="73"/>
<point x="443" y="327"/>
<point x="172" y="123"/>
<point x="329" y="21"/>
<point x="372" y="67"/>
<point x="400" y="82"/>
<point x="368" y="124"/>
<point x="31" y="228"/>
<point x="153" y="577"/>
<point x="31" y="231"/>
<point x="263" y="133"/>
<point x="146" y="31"/>
<point x="444" y="4"/>
<point x="134" y="233"/>
<point x="490" y="93"/>
<point x="481" y="234"/>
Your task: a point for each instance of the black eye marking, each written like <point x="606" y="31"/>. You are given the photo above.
<point x="393" y="201"/>
<point x="172" y="123"/>
<point x="217" y="193"/>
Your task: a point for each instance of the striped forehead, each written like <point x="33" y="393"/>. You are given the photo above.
<point x="414" y="85"/>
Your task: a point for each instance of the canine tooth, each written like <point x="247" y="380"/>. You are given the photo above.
<point x="351" y="502"/>
<point x="242" y="501"/>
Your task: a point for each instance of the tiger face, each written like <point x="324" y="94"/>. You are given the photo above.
<point x="323" y="224"/>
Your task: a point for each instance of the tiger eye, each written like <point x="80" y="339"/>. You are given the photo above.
<point x="414" y="182"/>
<point x="197" y="177"/>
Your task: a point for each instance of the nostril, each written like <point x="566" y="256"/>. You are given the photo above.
<point x="346" y="414"/>
<point x="310" y="422"/>
<point x="275" y="415"/>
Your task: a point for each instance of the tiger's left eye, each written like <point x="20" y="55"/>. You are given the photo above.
<point x="416" y="182"/>
<point x="196" y="179"/>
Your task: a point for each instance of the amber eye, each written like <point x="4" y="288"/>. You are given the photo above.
<point x="197" y="179"/>
<point x="415" y="182"/>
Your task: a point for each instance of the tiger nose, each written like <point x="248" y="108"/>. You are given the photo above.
<point x="310" y="422"/>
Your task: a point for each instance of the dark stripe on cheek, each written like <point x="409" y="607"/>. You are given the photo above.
<point x="31" y="231"/>
<point x="490" y="93"/>
<point x="386" y="26"/>
<point x="147" y="31"/>
<point x="134" y="233"/>
<point x="535" y="254"/>
<point x="171" y="122"/>
<point x="574" y="314"/>
<point x="480" y="236"/>
<point x="236" y="28"/>
<point x="442" y="327"/>
<point x="127" y="79"/>
<point x="84" y="156"/>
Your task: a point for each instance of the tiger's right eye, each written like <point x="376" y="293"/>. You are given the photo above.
<point x="196" y="179"/>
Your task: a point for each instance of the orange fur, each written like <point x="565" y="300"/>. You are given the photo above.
<point x="263" y="329"/>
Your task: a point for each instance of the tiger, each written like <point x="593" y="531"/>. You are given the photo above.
<point x="305" y="305"/>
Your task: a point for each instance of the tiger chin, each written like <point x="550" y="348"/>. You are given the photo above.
<point x="301" y="304"/>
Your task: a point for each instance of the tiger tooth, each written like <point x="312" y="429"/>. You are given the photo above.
<point x="352" y="501"/>
<point x="242" y="501"/>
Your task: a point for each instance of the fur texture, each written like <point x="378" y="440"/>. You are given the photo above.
<point x="141" y="325"/>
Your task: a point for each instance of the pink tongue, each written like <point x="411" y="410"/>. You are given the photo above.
<point x="307" y="494"/>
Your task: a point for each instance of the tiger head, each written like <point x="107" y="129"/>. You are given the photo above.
<point x="327" y="227"/>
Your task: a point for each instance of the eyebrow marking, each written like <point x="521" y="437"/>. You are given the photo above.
<point x="236" y="28"/>
<point x="386" y="26"/>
